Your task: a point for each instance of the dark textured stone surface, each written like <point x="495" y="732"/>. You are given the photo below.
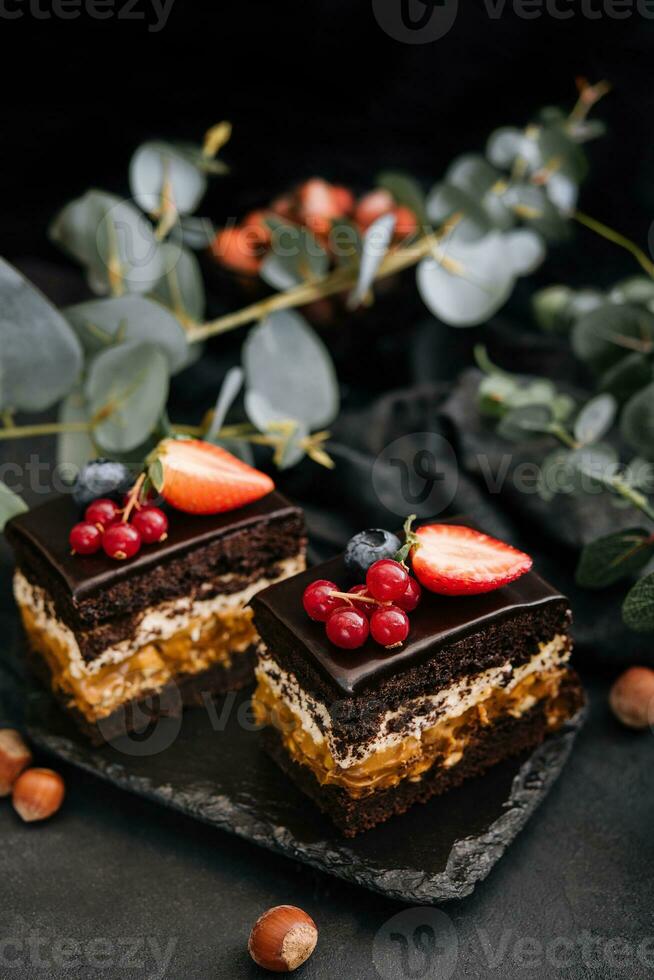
<point x="434" y="853"/>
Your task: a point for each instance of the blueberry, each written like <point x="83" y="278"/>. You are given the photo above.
<point x="101" y="478"/>
<point x="367" y="547"/>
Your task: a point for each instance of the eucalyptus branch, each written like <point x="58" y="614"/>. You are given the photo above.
<point x="335" y="282"/>
<point x="614" y="236"/>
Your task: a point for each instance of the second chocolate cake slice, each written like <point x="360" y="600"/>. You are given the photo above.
<point x="368" y="732"/>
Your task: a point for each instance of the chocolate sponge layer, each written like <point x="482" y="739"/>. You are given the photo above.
<point x="95" y="591"/>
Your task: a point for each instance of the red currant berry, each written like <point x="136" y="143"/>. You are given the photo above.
<point x="152" y="524"/>
<point x="347" y="628"/>
<point x="367" y="608"/>
<point x="318" y="603"/>
<point x="411" y="597"/>
<point x="389" y="626"/>
<point x="104" y="512"/>
<point x="85" y="539"/>
<point x="387" y="579"/>
<point x="121" y="541"/>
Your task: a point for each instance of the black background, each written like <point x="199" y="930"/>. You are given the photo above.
<point x="311" y="87"/>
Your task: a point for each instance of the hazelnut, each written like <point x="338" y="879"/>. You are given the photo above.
<point x="38" y="794"/>
<point x="14" y="757"/>
<point x="632" y="697"/>
<point x="282" y="939"/>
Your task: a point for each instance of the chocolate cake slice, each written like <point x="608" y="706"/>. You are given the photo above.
<point x="368" y="732"/>
<point x="106" y="635"/>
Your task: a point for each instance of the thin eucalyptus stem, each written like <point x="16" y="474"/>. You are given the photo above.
<point x="614" y="236"/>
<point x="46" y="429"/>
<point x="627" y="492"/>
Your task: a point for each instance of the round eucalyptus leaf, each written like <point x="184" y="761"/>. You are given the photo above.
<point x="472" y="173"/>
<point x="527" y="422"/>
<point x="193" y="232"/>
<point x="637" y="423"/>
<point x="444" y="200"/>
<point x="104" y="322"/>
<point x="159" y="167"/>
<point x="626" y="377"/>
<point x="127" y="389"/>
<point x="113" y="240"/>
<point x="595" y="419"/>
<point x="288" y="365"/>
<point x="562" y="192"/>
<point x="40" y="356"/>
<point x="262" y="414"/>
<point x="471" y="283"/>
<point x="532" y="205"/>
<point x="609" y="332"/>
<point x="636" y="289"/>
<point x="549" y="307"/>
<point x="406" y="191"/>
<point x="74" y="449"/>
<point x="557" y="475"/>
<point x="599" y="462"/>
<point x="525" y="250"/>
<point x="508" y="144"/>
<point x="279" y="271"/>
<point x="181" y="288"/>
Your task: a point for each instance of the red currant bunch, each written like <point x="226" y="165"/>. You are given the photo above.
<point x="377" y="608"/>
<point x="118" y="531"/>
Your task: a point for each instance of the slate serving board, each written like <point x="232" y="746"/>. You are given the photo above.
<point x="209" y="765"/>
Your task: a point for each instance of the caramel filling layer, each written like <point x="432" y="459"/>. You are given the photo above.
<point x="203" y="643"/>
<point x="443" y="744"/>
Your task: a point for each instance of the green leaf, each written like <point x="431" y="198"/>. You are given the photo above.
<point x="376" y="241"/>
<point x="287" y="364"/>
<point x="406" y="191"/>
<point x="603" y="336"/>
<point x="528" y="422"/>
<point x="595" y="419"/>
<point x="636" y="289"/>
<point x="74" y="449"/>
<point x="627" y="376"/>
<point x="639" y="474"/>
<point x="10" y="505"/>
<point x="295" y="256"/>
<point x="127" y="389"/>
<point x="599" y="463"/>
<point x="638" y="607"/>
<point x="113" y="241"/>
<point x="156" y="165"/>
<point x="181" y="288"/>
<point x="40" y="356"/>
<point x="104" y="322"/>
<point x="616" y="556"/>
<point x="558" y="474"/>
<point x="156" y="474"/>
<point x="470" y="282"/>
<point x="637" y="423"/>
<point x="231" y="386"/>
<point x="265" y="416"/>
<point x="549" y="308"/>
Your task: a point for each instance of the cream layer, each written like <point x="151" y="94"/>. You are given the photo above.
<point x="156" y="623"/>
<point x="420" y="713"/>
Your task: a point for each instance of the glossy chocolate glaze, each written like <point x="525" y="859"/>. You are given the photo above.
<point x="46" y="529"/>
<point x="437" y="622"/>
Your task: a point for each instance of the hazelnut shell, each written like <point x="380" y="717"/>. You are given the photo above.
<point x="282" y="939"/>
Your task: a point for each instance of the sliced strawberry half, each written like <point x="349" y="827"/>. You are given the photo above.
<point x="455" y="560"/>
<point x="200" y="478"/>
